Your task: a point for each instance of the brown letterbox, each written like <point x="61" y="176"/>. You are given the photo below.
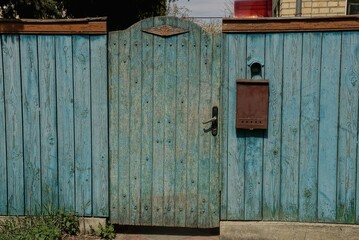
<point x="252" y="104"/>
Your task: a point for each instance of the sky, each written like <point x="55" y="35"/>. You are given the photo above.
<point x="205" y="8"/>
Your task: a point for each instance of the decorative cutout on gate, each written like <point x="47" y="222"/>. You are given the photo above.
<point x="165" y="30"/>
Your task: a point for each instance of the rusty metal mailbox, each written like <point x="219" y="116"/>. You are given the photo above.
<point x="252" y="104"/>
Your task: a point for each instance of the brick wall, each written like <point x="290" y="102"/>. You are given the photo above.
<point x="312" y="8"/>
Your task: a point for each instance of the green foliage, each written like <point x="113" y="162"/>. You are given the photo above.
<point x="105" y="232"/>
<point x="49" y="226"/>
<point x="128" y="12"/>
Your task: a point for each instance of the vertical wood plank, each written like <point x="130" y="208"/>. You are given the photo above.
<point x="237" y="45"/>
<point x="291" y="125"/>
<point x="181" y="126"/>
<point x="193" y="125"/>
<point x="169" y="166"/>
<point x="113" y="104"/>
<point x="348" y="128"/>
<point x="65" y="122"/>
<point x="98" y="52"/>
<point x="82" y="93"/>
<point x="147" y="124"/>
<point x="309" y="126"/>
<point x="124" y="127"/>
<point x="31" y="122"/>
<point x="158" y="127"/>
<point x="135" y="125"/>
<point x="205" y="112"/>
<point x="14" y="130"/>
<point x="272" y="143"/>
<point x="49" y="177"/>
<point x="328" y="127"/>
<point x="254" y="142"/>
<point x="224" y="112"/>
<point x="3" y="144"/>
<point x="214" y="182"/>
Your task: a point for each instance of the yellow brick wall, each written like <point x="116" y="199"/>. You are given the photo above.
<point x="313" y="8"/>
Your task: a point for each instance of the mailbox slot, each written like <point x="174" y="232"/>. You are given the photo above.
<point x="252" y="104"/>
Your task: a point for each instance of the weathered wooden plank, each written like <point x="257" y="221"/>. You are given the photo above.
<point x="82" y="108"/>
<point x="65" y="123"/>
<point x="147" y="124"/>
<point x="169" y="164"/>
<point x="181" y="126"/>
<point x="31" y="122"/>
<point x="124" y="127"/>
<point x="113" y="105"/>
<point x="158" y="127"/>
<point x="253" y="166"/>
<point x="224" y="128"/>
<point x="48" y="124"/>
<point x="237" y="45"/>
<point x="214" y="182"/>
<point x="309" y="126"/>
<point x="205" y="113"/>
<point x="272" y="142"/>
<point x="193" y="125"/>
<point x="291" y="24"/>
<point x="328" y="127"/>
<point x="135" y="124"/>
<point x="348" y="128"/>
<point x="95" y="25"/>
<point x="3" y="159"/>
<point x="291" y="126"/>
<point x="14" y="130"/>
<point x="98" y="51"/>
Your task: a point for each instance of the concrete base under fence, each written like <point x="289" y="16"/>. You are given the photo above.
<point x="254" y="230"/>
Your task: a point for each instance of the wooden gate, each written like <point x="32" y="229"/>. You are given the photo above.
<point x="164" y="80"/>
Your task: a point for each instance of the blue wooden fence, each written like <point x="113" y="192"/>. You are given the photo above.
<point x="53" y="124"/>
<point x="55" y="136"/>
<point x="305" y="166"/>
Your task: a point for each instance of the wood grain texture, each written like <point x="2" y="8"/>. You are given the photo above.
<point x="309" y="126"/>
<point x="158" y="128"/>
<point x="14" y="131"/>
<point x="214" y="182"/>
<point x="169" y="164"/>
<point x="348" y="129"/>
<point x="3" y="158"/>
<point x="147" y="124"/>
<point x="291" y="126"/>
<point x="272" y="142"/>
<point x="236" y="139"/>
<point x="253" y="166"/>
<point x="82" y="114"/>
<point x="48" y="123"/>
<point x="113" y="128"/>
<point x="99" y="122"/>
<point x="124" y="127"/>
<point x="31" y="123"/>
<point x="50" y="26"/>
<point x="65" y="123"/>
<point x="181" y="146"/>
<point x="292" y="24"/>
<point x="194" y="128"/>
<point x="328" y="127"/>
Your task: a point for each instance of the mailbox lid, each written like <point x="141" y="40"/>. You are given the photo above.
<point x="252" y="104"/>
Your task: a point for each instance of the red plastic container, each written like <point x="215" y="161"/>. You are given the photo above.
<point x="252" y="8"/>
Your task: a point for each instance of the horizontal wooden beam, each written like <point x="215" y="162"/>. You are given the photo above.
<point x="295" y="24"/>
<point x="54" y="26"/>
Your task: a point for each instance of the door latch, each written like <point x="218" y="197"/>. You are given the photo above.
<point x="214" y="121"/>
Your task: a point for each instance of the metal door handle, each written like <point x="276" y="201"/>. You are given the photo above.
<point x="210" y="120"/>
<point x="214" y="121"/>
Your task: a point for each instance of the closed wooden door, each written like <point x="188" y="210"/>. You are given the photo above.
<point x="164" y="80"/>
